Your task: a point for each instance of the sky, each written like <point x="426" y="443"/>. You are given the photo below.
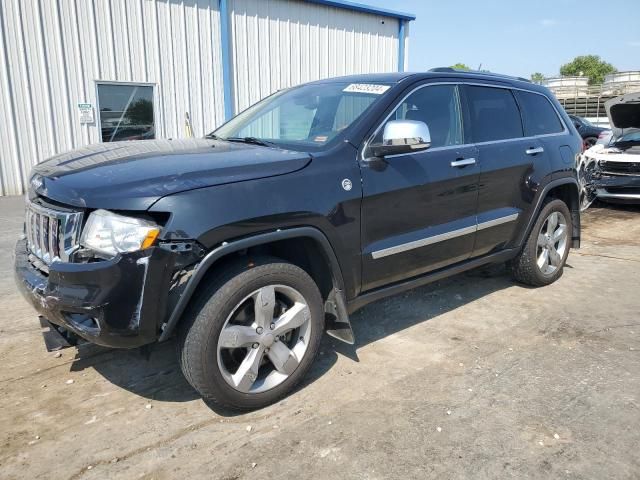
<point x="519" y="38"/>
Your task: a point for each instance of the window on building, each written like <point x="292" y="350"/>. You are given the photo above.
<point x="494" y="114"/>
<point x="538" y="116"/>
<point x="126" y="111"/>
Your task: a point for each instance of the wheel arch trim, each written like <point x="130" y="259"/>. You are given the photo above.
<point x="227" y="248"/>
<point x="575" y="237"/>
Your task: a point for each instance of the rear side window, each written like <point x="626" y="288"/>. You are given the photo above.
<point x="538" y="115"/>
<point x="494" y="114"/>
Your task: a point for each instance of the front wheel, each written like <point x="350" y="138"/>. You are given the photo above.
<point x="545" y="252"/>
<point x="252" y="334"/>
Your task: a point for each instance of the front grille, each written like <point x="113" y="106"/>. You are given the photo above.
<point x="51" y="234"/>
<point x="620" y="168"/>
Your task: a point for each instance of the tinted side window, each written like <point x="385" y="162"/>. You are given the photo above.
<point x="438" y="106"/>
<point x="538" y="115"/>
<point x="494" y="114"/>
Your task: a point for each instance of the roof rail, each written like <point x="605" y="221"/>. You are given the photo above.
<point x="476" y="72"/>
<point x="444" y="69"/>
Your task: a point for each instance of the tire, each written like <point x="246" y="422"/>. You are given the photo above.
<point x="525" y="267"/>
<point x="590" y="141"/>
<point x="208" y="356"/>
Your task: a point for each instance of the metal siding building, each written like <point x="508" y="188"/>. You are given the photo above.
<point x="207" y="58"/>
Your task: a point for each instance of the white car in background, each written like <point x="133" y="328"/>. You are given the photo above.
<point x="611" y="171"/>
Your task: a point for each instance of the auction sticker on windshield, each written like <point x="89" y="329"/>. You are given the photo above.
<point x="367" y="88"/>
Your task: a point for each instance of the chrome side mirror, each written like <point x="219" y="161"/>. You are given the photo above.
<point x="402" y="136"/>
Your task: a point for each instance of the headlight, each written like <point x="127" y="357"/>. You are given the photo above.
<point x="109" y="233"/>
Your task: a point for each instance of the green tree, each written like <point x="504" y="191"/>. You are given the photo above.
<point x="591" y="66"/>
<point x="460" y="66"/>
<point x="537" y="77"/>
<point x="140" y="112"/>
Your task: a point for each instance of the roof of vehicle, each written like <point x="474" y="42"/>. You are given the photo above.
<point x="396" y="77"/>
<point x="392" y="77"/>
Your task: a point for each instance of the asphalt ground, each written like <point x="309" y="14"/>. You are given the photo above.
<point x="471" y="377"/>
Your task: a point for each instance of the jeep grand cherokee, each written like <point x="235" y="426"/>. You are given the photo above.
<point x="248" y="244"/>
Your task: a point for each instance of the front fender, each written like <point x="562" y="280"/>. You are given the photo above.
<point x="242" y="244"/>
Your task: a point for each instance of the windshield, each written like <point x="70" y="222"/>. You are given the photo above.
<point x="303" y="118"/>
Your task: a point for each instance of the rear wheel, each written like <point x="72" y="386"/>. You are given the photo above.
<point x="252" y="334"/>
<point x="545" y="252"/>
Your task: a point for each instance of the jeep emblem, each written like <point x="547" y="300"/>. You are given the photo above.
<point x="346" y="184"/>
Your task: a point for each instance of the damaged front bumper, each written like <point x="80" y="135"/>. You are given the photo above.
<point x="118" y="303"/>
<point x="598" y="182"/>
<point x="618" y="188"/>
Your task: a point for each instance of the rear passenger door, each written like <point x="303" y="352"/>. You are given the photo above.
<point x="508" y="162"/>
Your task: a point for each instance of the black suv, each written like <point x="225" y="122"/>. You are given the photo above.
<point x="249" y="243"/>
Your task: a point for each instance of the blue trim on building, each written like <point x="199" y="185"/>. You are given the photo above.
<point x="401" y="45"/>
<point x="359" y="7"/>
<point x="226" y="59"/>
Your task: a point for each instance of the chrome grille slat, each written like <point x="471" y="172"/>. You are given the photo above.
<point x="53" y="227"/>
<point x="46" y="246"/>
<point x="32" y="222"/>
<point x="34" y="242"/>
<point x="42" y="250"/>
<point x="27" y="225"/>
<point x="56" y="235"/>
<point x="52" y="235"/>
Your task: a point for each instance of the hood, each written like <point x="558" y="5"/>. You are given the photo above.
<point x="612" y="154"/>
<point x="624" y="111"/>
<point x="134" y="175"/>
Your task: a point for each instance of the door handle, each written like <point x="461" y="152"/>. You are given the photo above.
<point x="463" y="162"/>
<point x="533" y="151"/>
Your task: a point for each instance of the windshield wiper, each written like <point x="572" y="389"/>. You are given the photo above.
<point x="251" y="140"/>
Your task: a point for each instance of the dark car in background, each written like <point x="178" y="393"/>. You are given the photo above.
<point x="249" y="243"/>
<point x="587" y="130"/>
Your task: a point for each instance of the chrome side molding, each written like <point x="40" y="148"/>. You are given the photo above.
<point x="423" y="242"/>
<point x="498" y="221"/>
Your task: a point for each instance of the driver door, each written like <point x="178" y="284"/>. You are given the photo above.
<point x="419" y="208"/>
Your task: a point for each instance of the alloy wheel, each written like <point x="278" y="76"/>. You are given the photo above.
<point x="264" y="339"/>
<point x="552" y="243"/>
